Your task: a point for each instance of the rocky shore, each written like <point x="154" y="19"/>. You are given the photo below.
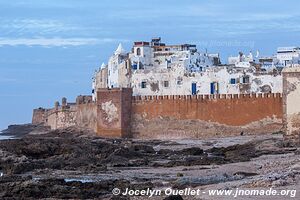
<point x="74" y="164"/>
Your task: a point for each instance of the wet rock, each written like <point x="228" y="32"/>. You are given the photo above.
<point x="58" y="188"/>
<point x="174" y="197"/>
<point x="194" y="151"/>
<point x="120" y="198"/>
<point x="70" y="151"/>
<point x="165" y="152"/>
<point x="142" y="148"/>
<point x="185" y="182"/>
<point x="142" y="185"/>
<point x="24" y="129"/>
<point x="116" y="161"/>
<point x="138" y="162"/>
<point x="246" y="174"/>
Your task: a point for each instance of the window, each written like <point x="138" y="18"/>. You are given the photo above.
<point x="166" y="83"/>
<point x="232" y="81"/>
<point x="179" y="81"/>
<point x="134" y="66"/>
<point x="143" y="84"/>
<point x="141" y="66"/>
<point x="138" y="51"/>
<point x="168" y="65"/>
<point x="246" y="79"/>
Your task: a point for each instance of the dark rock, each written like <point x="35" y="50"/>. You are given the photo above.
<point x="72" y="151"/>
<point x="116" y="161"/>
<point x="165" y="152"/>
<point x="24" y="129"/>
<point x="142" y="148"/>
<point x="195" y="151"/>
<point x="174" y="197"/>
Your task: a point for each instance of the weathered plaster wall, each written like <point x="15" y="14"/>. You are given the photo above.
<point x="203" y="115"/>
<point x="61" y="117"/>
<point x="119" y="114"/>
<point x="39" y="116"/>
<point x="101" y="78"/>
<point x="291" y="103"/>
<point x="124" y="74"/>
<point x="180" y="82"/>
<point x="83" y="113"/>
<point x="86" y="115"/>
<point x="114" y="112"/>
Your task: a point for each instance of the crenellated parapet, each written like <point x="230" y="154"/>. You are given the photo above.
<point x="117" y="113"/>
<point x="84" y="99"/>
<point x="205" y="97"/>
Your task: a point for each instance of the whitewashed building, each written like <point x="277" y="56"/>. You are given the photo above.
<point x="154" y="68"/>
<point x="285" y="56"/>
<point x="288" y="55"/>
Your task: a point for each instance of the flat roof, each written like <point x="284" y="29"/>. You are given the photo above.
<point x="286" y="49"/>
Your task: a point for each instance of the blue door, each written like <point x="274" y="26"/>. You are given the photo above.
<point x="212" y="88"/>
<point x="194" y="88"/>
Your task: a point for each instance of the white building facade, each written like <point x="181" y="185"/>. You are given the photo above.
<point x="154" y="68"/>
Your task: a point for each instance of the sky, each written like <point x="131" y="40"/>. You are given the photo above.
<point x="49" y="49"/>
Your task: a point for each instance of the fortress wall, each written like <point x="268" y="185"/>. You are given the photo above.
<point x="205" y="115"/>
<point x="86" y="115"/>
<point x="39" y="116"/>
<point x="291" y="104"/>
<point x="117" y="113"/>
<point x="114" y="112"/>
<point x="61" y="117"/>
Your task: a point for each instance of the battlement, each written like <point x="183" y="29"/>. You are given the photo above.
<point x="222" y="108"/>
<point x="84" y="99"/>
<point x="117" y="113"/>
<point x="136" y="99"/>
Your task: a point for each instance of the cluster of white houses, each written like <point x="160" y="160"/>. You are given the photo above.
<point x="154" y="68"/>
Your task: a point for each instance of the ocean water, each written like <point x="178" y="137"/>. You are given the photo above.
<point x="5" y="137"/>
<point x="80" y="180"/>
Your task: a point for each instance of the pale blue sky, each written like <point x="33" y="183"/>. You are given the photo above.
<point x="50" y="48"/>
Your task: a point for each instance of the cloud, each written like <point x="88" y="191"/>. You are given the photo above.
<point x="48" y="42"/>
<point x="45" y="25"/>
<point x="36" y="26"/>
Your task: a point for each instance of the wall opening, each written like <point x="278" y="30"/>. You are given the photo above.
<point x="143" y="84"/>
<point x="232" y="81"/>
<point x="194" y="88"/>
<point x="166" y="84"/>
<point x="138" y="51"/>
<point x="214" y="88"/>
